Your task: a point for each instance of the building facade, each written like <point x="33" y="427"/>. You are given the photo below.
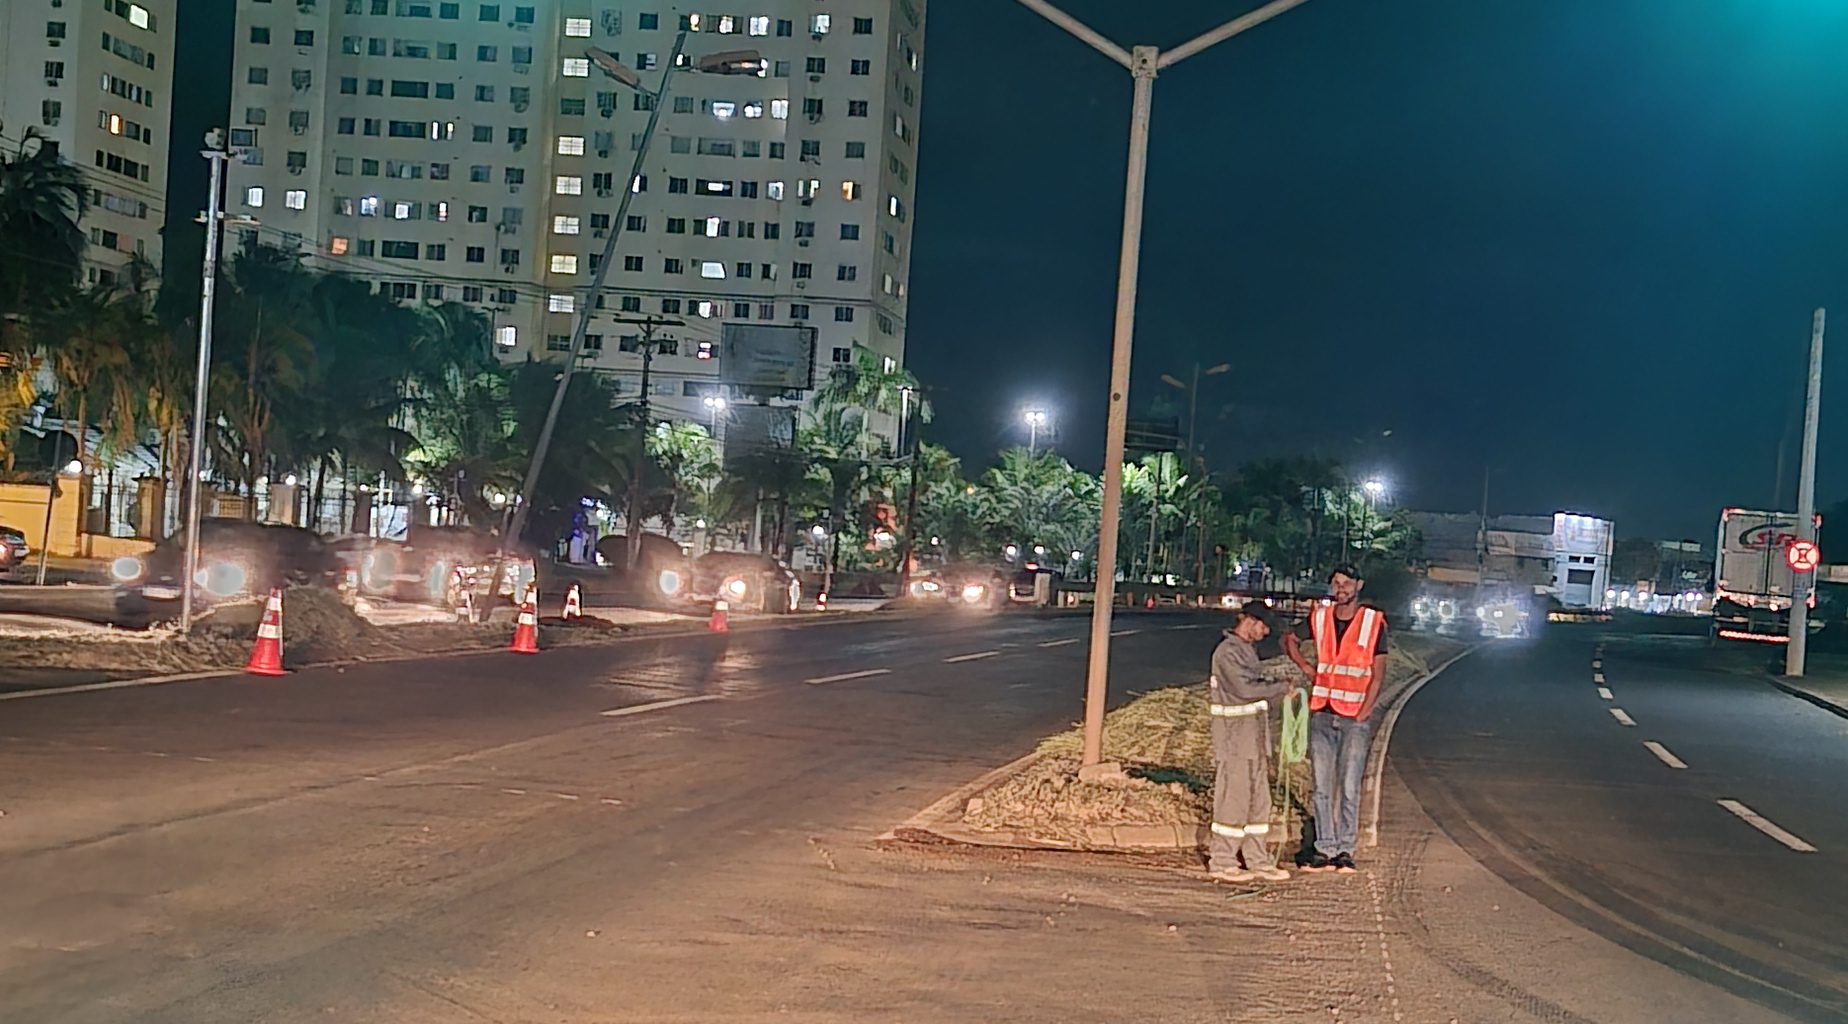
<point x="473" y="152"/>
<point x="94" y="79"/>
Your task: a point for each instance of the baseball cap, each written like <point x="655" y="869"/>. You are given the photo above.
<point x="1348" y="569"/>
<point x="1260" y="611"/>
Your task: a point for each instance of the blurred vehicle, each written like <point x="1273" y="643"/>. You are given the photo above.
<point x="964" y="584"/>
<point x="433" y="565"/>
<point x="665" y="572"/>
<point x="1503" y="618"/>
<point x="1024" y="587"/>
<point x="746" y="581"/>
<point x="1436" y="613"/>
<point x="237" y="561"/>
<point x="13" y="548"/>
<point x="1752" y="580"/>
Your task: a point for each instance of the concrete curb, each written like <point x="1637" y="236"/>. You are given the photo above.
<point x="1807" y="696"/>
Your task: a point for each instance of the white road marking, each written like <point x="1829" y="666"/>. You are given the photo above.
<point x="1124" y="632"/>
<point x="1622" y="716"/>
<point x="1597" y="663"/>
<point x="1597" y="677"/>
<point x="566" y="796"/>
<point x="977" y="656"/>
<point x="1605" y="692"/>
<point x="844" y="676"/>
<point x="1662" y="752"/>
<point x="612" y="801"/>
<point x="672" y="702"/>
<point x="1759" y="822"/>
<point x="514" y="792"/>
<point x="119" y="684"/>
<point x="1061" y="643"/>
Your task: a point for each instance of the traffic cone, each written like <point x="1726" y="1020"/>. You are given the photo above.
<point x="526" y="634"/>
<point x="718" y="623"/>
<point x="574" y="602"/>
<point x="821" y="602"/>
<point x="1150" y="603"/>
<point x="266" y="656"/>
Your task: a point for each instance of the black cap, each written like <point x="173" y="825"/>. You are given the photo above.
<point x="1348" y="569"/>
<point x="1257" y="609"/>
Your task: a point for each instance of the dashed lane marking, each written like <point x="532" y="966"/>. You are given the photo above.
<point x="1597" y="677"/>
<point x="1061" y="643"/>
<point x="1124" y="632"/>
<point x="1662" y="752"/>
<point x="1622" y="716"/>
<point x="1597" y="663"/>
<point x="658" y="705"/>
<point x="977" y="656"/>
<point x="845" y="676"/>
<point x="1765" y="825"/>
<point x="1605" y="692"/>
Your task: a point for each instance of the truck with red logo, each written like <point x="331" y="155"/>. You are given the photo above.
<point x="1751" y="578"/>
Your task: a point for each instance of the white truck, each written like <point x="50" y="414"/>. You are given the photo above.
<point x="1751" y="579"/>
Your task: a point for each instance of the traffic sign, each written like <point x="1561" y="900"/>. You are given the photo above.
<point x="1803" y="556"/>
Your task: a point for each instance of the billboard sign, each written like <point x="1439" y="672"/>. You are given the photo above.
<point x="767" y="357"/>
<point x="751" y="430"/>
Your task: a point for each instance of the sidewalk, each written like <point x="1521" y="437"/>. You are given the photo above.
<point x="1826" y="686"/>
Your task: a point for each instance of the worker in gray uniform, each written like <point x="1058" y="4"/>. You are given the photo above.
<point x="1241" y="699"/>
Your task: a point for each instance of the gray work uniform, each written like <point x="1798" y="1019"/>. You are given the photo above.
<point x="1241" y="701"/>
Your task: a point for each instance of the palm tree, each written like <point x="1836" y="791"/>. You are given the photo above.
<point x="42" y="199"/>
<point x="1036" y="499"/>
<point x="686" y="461"/>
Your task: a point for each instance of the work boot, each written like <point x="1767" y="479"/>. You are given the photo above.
<point x="1344" y="864"/>
<point x="1231" y="875"/>
<point x="1270" y="874"/>
<point x="1317" y="863"/>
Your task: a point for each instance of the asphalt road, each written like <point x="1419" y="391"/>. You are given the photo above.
<point x="646" y="831"/>
<point x="1690" y="815"/>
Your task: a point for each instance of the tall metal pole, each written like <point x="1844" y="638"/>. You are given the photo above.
<point x="909" y="441"/>
<point x="587" y="305"/>
<point x="632" y="515"/>
<point x="1143" y="63"/>
<point x="1803" y="582"/>
<point x="1032" y="433"/>
<point x="195" y="463"/>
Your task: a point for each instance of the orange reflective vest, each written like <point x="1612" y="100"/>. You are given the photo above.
<point x="1344" y="673"/>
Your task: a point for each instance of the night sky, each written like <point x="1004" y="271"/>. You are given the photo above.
<point x="1577" y="241"/>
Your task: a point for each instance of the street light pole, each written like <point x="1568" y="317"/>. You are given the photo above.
<point x="586" y="306"/>
<point x="1803" y="583"/>
<point x="214" y="154"/>
<point x="908" y="442"/>
<point x="1143" y="62"/>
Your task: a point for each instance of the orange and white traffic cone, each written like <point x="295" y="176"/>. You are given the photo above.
<point x="821" y="602"/>
<point x="574" y="602"/>
<point x="266" y="656"/>
<point x="719" y="623"/>
<point x="526" y="634"/>
<point x="1150" y="603"/>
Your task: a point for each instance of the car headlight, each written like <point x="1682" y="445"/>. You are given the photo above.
<point x="929" y="586"/>
<point x="974" y="592"/>
<point x="670" y="582"/>
<point x="127" y="569"/>
<point x="736" y="587"/>
<point x="222" y="579"/>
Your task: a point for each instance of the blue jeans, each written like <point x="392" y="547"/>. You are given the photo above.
<point x="1338" y="757"/>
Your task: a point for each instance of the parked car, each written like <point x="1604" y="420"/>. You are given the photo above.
<point x="745" y="581"/>
<point x="13" y="548"/>
<point x="237" y="561"/>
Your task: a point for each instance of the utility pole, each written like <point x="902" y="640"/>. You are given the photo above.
<point x="215" y="154"/>
<point x="1803" y="583"/>
<point x="1482" y="537"/>
<point x="1142" y="63"/>
<point x="908" y="441"/>
<point x="632" y="515"/>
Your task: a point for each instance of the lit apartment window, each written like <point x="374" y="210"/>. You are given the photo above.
<point x="820" y="24"/>
<point x="506" y="337"/>
<point x="723" y="110"/>
<point x="439" y="210"/>
<point x="712" y="270"/>
<point x="338" y="246"/>
<point x="568" y="185"/>
<point x="773" y="189"/>
<point x="295" y="199"/>
<point x="893" y="206"/>
<point x="779" y="109"/>
<point x="851" y="190"/>
<point x="253" y="196"/>
<point x="576" y="67"/>
<point x="564" y="263"/>
<point x="368" y="206"/>
<point x="753" y="110"/>
<point x="562" y="225"/>
<point x="577" y="28"/>
<point x="712" y="227"/>
<point x="759" y="25"/>
<point x="571" y="145"/>
<point x="561" y="303"/>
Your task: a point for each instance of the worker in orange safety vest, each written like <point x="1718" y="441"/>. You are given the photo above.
<point x="1348" y="641"/>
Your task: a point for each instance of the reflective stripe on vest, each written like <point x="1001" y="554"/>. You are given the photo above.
<point x="1229" y="831"/>
<point x="1344" y="662"/>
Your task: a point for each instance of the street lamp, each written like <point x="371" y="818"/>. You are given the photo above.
<point x="1193" y="456"/>
<point x="1376" y="488"/>
<point x="1034" y="418"/>
<point x="1142" y="63"/>
<point x="729" y="62"/>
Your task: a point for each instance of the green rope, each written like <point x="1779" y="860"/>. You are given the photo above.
<point x="1293" y="742"/>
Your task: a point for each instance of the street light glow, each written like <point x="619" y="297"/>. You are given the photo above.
<point x="716" y="403"/>
<point x="1034" y="417"/>
<point x="1375" y="487"/>
<point x="73" y="468"/>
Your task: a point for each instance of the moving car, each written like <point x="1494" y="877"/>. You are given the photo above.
<point x="433" y="565"/>
<point x="964" y="584"/>
<point x="746" y="582"/>
<point x="237" y="561"/>
<point x="13" y="548"/>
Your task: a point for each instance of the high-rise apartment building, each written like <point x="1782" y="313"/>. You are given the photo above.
<point x="94" y="78"/>
<point x="472" y="152"/>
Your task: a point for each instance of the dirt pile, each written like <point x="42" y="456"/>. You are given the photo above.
<point x="1164" y="741"/>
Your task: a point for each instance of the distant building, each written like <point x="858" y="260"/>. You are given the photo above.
<point x="1564" y="555"/>
<point x="94" y="77"/>
<point x="471" y="152"/>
